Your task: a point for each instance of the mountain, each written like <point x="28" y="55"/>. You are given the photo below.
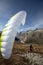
<point x="32" y="36"/>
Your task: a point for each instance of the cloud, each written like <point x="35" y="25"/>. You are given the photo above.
<point x="37" y="25"/>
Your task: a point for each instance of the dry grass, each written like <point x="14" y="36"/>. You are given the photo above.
<point x="18" y="49"/>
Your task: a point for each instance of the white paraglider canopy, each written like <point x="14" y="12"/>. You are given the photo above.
<point x="10" y="31"/>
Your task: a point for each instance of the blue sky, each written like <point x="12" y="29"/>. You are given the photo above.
<point x="34" y="9"/>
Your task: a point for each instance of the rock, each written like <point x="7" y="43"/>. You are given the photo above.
<point x="35" y="36"/>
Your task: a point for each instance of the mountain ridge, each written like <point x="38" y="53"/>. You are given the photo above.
<point x="31" y="36"/>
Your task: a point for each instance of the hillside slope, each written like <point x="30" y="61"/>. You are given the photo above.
<point x="35" y="36"/>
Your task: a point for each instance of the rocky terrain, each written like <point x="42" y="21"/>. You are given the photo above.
<point x="35" y="36"/>
<point x="21" y="54"/>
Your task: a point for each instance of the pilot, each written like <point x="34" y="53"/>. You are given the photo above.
<point x="31" y="48"/>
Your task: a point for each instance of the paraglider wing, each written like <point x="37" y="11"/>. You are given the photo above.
<point x="9" y="33"/>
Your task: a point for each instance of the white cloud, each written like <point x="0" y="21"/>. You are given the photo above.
<point x="37" y="25"/>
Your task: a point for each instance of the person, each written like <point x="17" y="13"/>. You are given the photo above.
<point x="31" y="48"/>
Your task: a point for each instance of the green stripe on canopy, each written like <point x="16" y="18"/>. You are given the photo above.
<point x="1" y="41"/>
